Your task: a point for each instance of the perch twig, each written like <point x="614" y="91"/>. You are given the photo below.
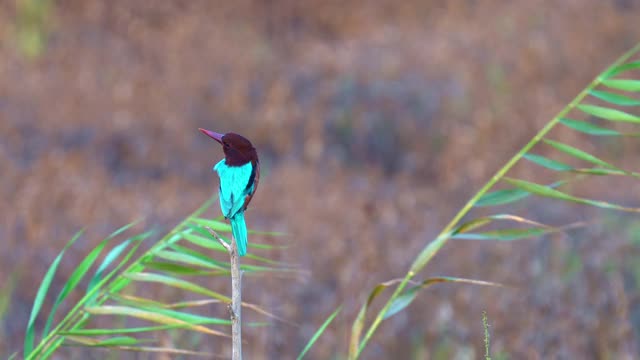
<point x="235" y="308"/>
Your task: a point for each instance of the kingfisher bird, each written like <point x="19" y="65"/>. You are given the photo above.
<point x="239" y="173"/>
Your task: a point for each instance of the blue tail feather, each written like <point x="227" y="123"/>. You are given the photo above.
<point x="239" y="229"/>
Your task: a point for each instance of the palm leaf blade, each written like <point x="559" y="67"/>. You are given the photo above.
<point x="588" y="128"/>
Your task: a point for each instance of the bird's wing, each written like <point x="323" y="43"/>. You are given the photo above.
<point x="233" y="186"/>
<point x="252" y="186"/>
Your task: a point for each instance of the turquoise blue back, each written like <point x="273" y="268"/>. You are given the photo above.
<point x="233" y="192"/>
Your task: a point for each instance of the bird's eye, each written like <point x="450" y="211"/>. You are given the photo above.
<point x="226" y="145"/>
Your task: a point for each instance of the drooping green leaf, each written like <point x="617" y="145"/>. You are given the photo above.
<point x="181" y="269"/>
<point x="177" y="283"/>
<point x="41" y="294"/>
<point x="220" y="225"/>
<point x="464" y="229"/>
<point x="358" y="323"/>
<point x="153" y="315"/>
<point x="113" y="255"/>
<point x="547" y="163"/>
<point x="205" y="242"/>
<point x="473" y="224"/>
<point x="215" y="225"/>
<point x="407" y="297"/>
<point x="608" y="114"/>
<point x="200" y="256"/>
<point x="192" y="303"/>
<point x="539" y="189"/>
<point x="176" y="237"/>
<point x="504" y="234"/>
<point x="103" y="332"/>
<point x="588" y="128"/>
<point x="616" y="99"/>
<point x="401" y="302"/>
<point x="109" y="342"/>
<point x="135" y="301"/>
<point x="577" y="153"/>
<point x="120" y="282"/>
<point x="515" y="218"/>
<point x="621" y="68"/>
<point x="501" y="197"/>
<point x="428" y="252"/>
<point x="252" y="244"/>
<point x="555" y="194"/>
<point x="77" y="275"/>
<point x="601" y="172"/>
<point x="506" y="196"/>
<point x="124" y="228"/>
<point x="623" y="84"/>
<point x="482" y="221"/>
<point x="190" y="318"/>
<point x="170" y="310"/>
<point x="187" y="259"/>
<point x="318" y="333"/>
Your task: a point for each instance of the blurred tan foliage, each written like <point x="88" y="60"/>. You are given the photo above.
<point x="374" y="120"/>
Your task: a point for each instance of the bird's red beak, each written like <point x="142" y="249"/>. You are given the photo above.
<point x="212" y="134"/>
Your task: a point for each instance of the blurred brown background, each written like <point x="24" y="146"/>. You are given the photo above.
<point x="375" y="121"/>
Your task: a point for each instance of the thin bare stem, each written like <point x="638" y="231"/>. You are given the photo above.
<point x="217" y="237"/>
<point x="235" y="309"/>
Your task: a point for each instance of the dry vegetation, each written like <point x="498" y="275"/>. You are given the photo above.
<point x="374" y="122"/>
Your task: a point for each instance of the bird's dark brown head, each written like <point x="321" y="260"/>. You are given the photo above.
<point x="237" y="149"/>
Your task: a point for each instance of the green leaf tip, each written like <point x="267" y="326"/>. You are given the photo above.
<point x="318" y="333"/>
<point x="41" y="294"/>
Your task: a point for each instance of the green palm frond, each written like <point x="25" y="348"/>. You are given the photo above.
<point x="609" y="100"/>
<point x="175" y="261"/>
